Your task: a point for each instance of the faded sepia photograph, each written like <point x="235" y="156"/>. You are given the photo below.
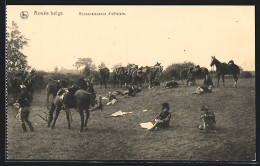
<point x="168" y="83"/>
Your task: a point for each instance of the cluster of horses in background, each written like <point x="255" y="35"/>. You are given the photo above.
<point x="132" y="75"/>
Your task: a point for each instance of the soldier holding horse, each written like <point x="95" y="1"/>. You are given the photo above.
<point x="223" y="69"/>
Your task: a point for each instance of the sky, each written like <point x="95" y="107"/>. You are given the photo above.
<point x="141" y="35"/>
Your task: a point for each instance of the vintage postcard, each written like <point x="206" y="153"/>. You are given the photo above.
<point x="168" y="83"/>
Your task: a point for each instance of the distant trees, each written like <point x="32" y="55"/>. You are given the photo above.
<point x="15" y="42"/>
<point x="116" y="66"/>
<point x="173" y="70"/>
<point x="87" y="65"/>
<point x="102" y="65"/>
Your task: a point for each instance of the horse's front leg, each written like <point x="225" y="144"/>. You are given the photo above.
<point x="51" y="115"/>
<point x="87" y="117"/>
<point x="56" y="116"/>
<point x="105" y="84"/>
<point x="235" y="78"/>
<point x="48" y="95"/>
<point x="218" y="80"/>
<point x="223" y="78"/>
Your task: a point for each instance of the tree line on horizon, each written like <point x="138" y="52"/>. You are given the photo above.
<point x="16" y="61"/>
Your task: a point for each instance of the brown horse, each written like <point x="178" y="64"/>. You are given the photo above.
<point x="52" y="89"/>
<point x="223" y="69"/>
<point x="104" y="76"/>
<point x="83" y="100"/>
<point x="152" y="73"/>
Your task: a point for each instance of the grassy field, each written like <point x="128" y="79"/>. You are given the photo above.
<point x="122" y="138"/>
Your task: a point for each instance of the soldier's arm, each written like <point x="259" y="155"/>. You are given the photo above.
<point x="167" y="119"/>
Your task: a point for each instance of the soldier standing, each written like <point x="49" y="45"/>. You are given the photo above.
<point x="24" y="103"/>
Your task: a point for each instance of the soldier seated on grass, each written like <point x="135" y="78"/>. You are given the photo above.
<point x="208" y="121"/>
<point x="208" y="81"/>
<point x="163" y="119"/>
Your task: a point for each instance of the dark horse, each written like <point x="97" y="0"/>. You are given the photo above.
<point x="104" y="76"/>
<point x="119" y="76"/>
<point x="82" y="99"/>
<point x="201" y="72"/>
<point x="222" y="69"/>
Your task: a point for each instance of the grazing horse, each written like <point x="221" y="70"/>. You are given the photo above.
<point x="201" y="72"/>
<point x="51" y="89"/>
<point x="223" y="69"/>
<point x="82" y="100"/>
<point x="104" y="76"/>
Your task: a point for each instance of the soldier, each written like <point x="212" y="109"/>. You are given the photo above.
<point x="208" y="81"/>
<point x="207" y="120"/>
<point x="163" y="119"/>
<point x="24" y="103"/>
<point x="99" y="104"/>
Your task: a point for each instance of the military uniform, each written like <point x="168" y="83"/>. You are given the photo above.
<point x="163" y="119"/>
<point x="25" y="110"/>
<point x="208" y="119"/>
<point x="208" y="82"/>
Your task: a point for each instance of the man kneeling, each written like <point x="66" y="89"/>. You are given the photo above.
<point x="207" y="120"/>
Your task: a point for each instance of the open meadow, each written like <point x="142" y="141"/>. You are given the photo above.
<point x="122" y="138"/>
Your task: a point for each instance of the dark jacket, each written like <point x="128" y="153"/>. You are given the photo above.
<point x="23" y="100"/>
<point x="166" y="117"/>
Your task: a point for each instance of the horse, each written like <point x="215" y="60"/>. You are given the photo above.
<point x="223" y="69"/>
<point x="104" y="76"/>
<point x="119" y="75"/>
<point x="152" y="72"/>
<point x="82" y="99"/>
<point x="52" y="89"/>
<point x="201" y="72"/>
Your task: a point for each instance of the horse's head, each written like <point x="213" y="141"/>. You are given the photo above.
<point x="213" y="61"/>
